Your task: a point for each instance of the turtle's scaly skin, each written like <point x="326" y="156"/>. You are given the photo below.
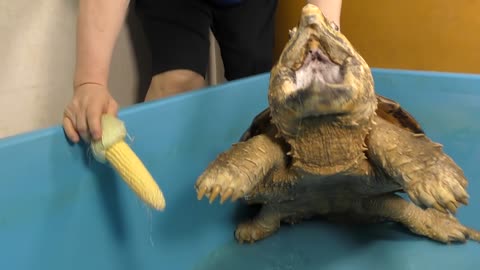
<point x="328" y="145"/>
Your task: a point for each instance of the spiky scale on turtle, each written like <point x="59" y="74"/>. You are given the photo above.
<point x="329" y="145"/>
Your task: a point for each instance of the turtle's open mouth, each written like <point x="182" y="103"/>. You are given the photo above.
<point x="319" y="85"/>
<point x="318" y="68"/>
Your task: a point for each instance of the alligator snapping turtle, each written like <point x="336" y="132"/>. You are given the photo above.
<point x="328" y="145"/>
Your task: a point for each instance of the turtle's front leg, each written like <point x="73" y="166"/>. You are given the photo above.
<point x="428" y="175"/>
<point x="236" y="171"/>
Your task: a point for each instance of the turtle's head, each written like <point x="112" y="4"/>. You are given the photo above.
<point x="319" y="73"/>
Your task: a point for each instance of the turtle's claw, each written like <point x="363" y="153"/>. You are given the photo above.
<point x="216" y="190"/>
<point x="201" y="192"/>
<point x="226" y="195"/>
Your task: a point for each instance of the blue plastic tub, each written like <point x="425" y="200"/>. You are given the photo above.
<point x="59" y="209"/>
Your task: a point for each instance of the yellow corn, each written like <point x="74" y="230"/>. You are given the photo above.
<point x="134" y="173"/>
<point x="113" y="148"/>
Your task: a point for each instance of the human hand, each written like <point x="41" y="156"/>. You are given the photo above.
<point x="82" y="116"/>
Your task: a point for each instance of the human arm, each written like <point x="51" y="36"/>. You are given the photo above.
<point x="332" y="9"/>
<point x="98" y="25"/>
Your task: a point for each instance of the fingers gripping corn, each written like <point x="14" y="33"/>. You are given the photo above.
<point x="113" y="149"/>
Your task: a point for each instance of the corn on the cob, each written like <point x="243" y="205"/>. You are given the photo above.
<point x="112" y="148"/>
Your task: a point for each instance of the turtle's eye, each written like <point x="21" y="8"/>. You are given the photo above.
<point x="334" y="26"/>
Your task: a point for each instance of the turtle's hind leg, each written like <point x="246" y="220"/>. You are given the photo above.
<point x="268" y="221"/>
<point x="264" y="224"/>
<point x="236" y="171"/>
<point x="272" y="215"/>
<point x="431" y="223"/>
